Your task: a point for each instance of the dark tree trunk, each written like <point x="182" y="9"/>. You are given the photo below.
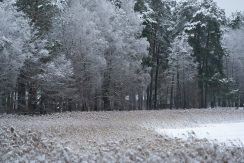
<point x="206" y="96"/>
<point x="21" y="96"/>
<point x="96" y="102"/>
<point x="148" y="97"/>
<point x="184" y="89"/>
<point x="156" y="80"/>
<point x="172" y="92"/>
<point x="106" y="94"/>
<point x="202" y="94"/>
<point x="150" y="92"/>
<point x="178" y="99"/>
<point x="140" y="100"/>
<point x="32" y="98"/>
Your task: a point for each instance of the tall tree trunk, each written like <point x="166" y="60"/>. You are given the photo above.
<point x="177" y="101"/>
<point x="32" y="98"/>
<point x="206" y="96"/>
<point x="106" y="92"/>
<point x="8" y="104"/>
<point x="150" y="91"/>
<point x="202" y="95"/>
<point x="4" y="102"/>
<point x="140" y="100"/>
<point x="201" y="84"/>
<point x="156" y="81"/>
<point x="206" y="73"/>
<point x="96" y="101"/>
<point x="132" y="100"/>
<point x="172" y="92"/>
<point x="21" y="96"/>
<point x="184" y="89"/>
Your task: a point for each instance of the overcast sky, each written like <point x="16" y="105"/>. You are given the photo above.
<point x="231" y="5"/>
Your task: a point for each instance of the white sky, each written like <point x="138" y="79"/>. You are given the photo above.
<point x="231" y="5"/>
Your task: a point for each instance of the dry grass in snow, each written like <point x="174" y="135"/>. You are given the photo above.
<point x="114" y="137"/>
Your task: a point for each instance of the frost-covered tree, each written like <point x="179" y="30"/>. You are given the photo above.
<point x="124" y="55"/>
<point x="118" y="54"/>
<point x="43" y="50"/>
<point x="183" y="68"/>
<point x="15" y="33"/>
<point x="234" y="62"/>
<point x="57" y="83"/>
<point x="102" y="41"/>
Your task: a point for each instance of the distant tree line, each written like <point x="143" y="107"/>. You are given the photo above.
<point x="66" y="55"/>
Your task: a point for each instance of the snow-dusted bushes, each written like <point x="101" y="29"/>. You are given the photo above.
<point x="30" y="146"/>
<point x="113" y="137"/>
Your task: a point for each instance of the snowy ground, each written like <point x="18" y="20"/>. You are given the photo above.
<point x="228" y="133"/>
<point x="122" y="136"/>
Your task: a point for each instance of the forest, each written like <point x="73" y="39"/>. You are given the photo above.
<point x="104" y="55"/>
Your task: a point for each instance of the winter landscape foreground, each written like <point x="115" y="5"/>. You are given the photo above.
<point x="137" y="136"/>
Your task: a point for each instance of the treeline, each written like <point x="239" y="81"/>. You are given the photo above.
<point x="62" y="55"/>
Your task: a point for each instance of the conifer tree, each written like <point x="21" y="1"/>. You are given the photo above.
<point x="205" y="38"/>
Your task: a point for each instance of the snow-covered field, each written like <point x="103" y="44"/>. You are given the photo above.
<point x="228" y="133"/>
<point x="135" y="136"/>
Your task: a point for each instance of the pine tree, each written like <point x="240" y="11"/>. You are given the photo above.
<point x="237" y="20"/>
<point x="40" y="13"/>
<point x="205" y="38"/>
<point x="158" y="24"/>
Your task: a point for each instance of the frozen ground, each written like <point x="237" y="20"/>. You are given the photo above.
<point x="117" y="137"/>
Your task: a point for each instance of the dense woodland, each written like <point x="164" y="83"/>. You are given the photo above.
<point x="95" y="55"/>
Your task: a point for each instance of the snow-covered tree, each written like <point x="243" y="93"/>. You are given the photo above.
<point x="183" y="68"/>
<point x="40" y="12"/>
<point x="83" y="43"/>
<point x="205" y="37"/>
<point x="15" y="33"/>
<point x="102" y="41"/>
<point x="158" y="22"/>
<point x="234" y="63"/>
<point x="118" y="54"/>
<point x="57" y="82"/>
